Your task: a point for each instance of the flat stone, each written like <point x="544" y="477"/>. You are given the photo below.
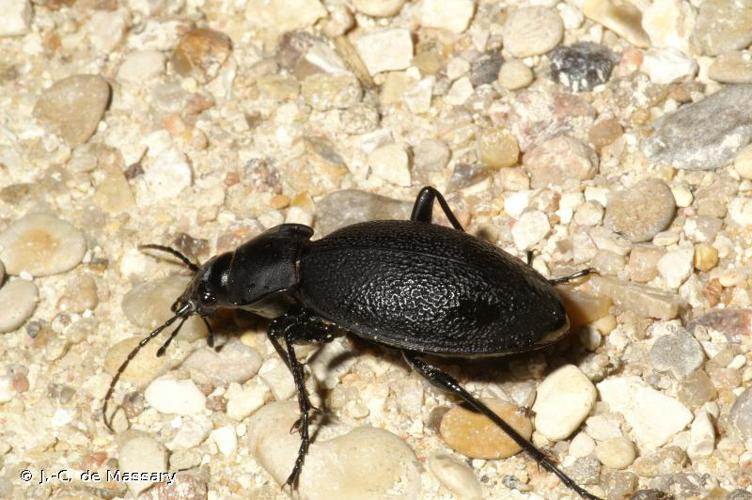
<point x="654" y="417"/>
<point x="450" y="15"/>
<point x="141" y="453"/>
<point x="476" y="436"/>
<point x="385" y="50"/>
<point x="565" y="399"/>
<point x="74" y="106"/>
<point x="18" y="299"/>
<point x="642" y="210"/>
<point x="282" y="16"/>
<point x="668" y="65"/>
<point x="16" y="18"/>
<point x="641" y="299"/>
<point x="366" y="459"/>
<point x="378" y="8"/>
<point x="560" y="161"/>
<point x="623" y="18"/>
<point x="41" y="244"/>
<point x="741" y="414"/>
<point x="678" y="353"/>
<point x="234" y="362"/>
<point x="531" y="31"/>
<point x="704" y="135"/>
<point x="200" y="54"/>
<point x="178" y="397"/>
<point x="723" y="25"/>
<point x="732" y="67"/>
<point x="456" y="476"/>
<point x="582" y="66"/>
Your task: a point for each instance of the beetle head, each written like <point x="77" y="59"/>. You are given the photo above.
<point x="208" y="288"/>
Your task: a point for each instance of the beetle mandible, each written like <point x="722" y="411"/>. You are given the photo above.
<point x="419" y="287"/>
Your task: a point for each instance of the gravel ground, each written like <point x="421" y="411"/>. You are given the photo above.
<point x="594" y="133"/>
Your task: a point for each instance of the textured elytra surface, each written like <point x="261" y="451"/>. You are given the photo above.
<point x="428" y="288"/>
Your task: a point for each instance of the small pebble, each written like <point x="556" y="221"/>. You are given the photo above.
<point x="450" y="15"/>
<point x="584" y="470"/>
<point x="669" y="23"/>
<point x="475" y="436"/>
<point x="185" y="486"/>
<point x="430" y="157"/>
<point x="560" y="161"/>
<point x="226" y="439"/>
<point x="740" y="415"/>
<point x="706" y="257"/>
<point x="16" y="18"/>
<point x="455" y="476"/>
<point x="654" y="417"/>
<point x="642" y="210"/>
<point x="141" y="454"/>
<point x="148" y="306"/>
<point x="107" y="28"/>
<point x="623" y="18"/>
<point x="732" y="67"/>
<point x="243" y="401"/>
<point x="678" y="353"/>
<point x="584" y="308"/>
<point x="235" y="362"/>
<point x="366" y="459"/>
<point x="18" y="299"/>
<point x="676" y="266"/>
<point x="141" y="66"/>
<point x="378" y="8"/>
<point x="7" y="391"/>
<point x="74" y="106"/>
<point x="165" y="176"/>
<point x="605" y="132"/>
<point x="531" y="228"/>
<point x="589" y="213"/>
<point x="284" y="16"/>
<point x="723" y="25"/>
<point x="275" y="374"/>
<point x="497" y="148"/>
<point x="485" y="68"/>
<point x="385" y="50"/>
<point x="565" y="399"/>
<point x="80" y="295"/>
<point x="41" y="244"/>
<point x="179" y="397"/>
<point x="581" y="445"/>
<point x="515" y="75"/>
<point x="743" y="162"/>
<point x="531" y="31"/>
<point x="701" y="436"/>
<point x="459" y="92"/>
<point x="704" y="135"/>
<point x="617" y="453"/>
<point x="392" y="164"/>
<point x="668" y="65"/>
<point x="324" y="92"/>
<point x="582" y="66"/>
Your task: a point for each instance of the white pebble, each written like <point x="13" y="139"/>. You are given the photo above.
<point x="378" y="8"/>
<point x="165" y="177"/>
<point x="531" y="31"/>
<point x="7" y="392"/>
<point x="106" y="28"/>
<point x="669" y="23"/>
<point x="701" y="436"/>
<point x="41" y="244"/>
<point x="180" y="397"/>
<point x="450" y="15"/>
<point x="283" y="15"/>
<point x="682" y="195"/>
<point x="676" y="266"/>
<point x="565" y="399"/>
<point x="418" y="96"/>
<point x="16" y="17"/>
<point x="235" y="362"/>
<point x="740" y="210"/>
<point x="276" y="375"/>
<point x="616" y="453"/>
<point x="141" y="66"/>
<point x="386" y="50"/>
<point x="516" y="203"/>
<point x="743" y="162"/>
<point x="243" y="401"/>
<point x="515" y="75"/>
<point x="142" y="454"/>
<point x="667" y="65"/>
<point x="531" y="227"/>
<point x="18" y="299"/>
<point x="459" y="92"/>
<point x="226" y="439"/>
<point x="192" y="431"/>
<point x="603" y="427"/>
<point x="654" y="417"/>
<point x="582" y="445"/>
<point x="455" y="476"/>
<point x="391" y="163"/>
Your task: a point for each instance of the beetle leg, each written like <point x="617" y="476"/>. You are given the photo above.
<point x="444" y="381"/>
<point x="571" y="277"/>
<point x="423" y="207"/>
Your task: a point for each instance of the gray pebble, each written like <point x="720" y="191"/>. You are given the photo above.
<point x="739" y="495"/>
<point x="704" y="135"/>
<point x="582" y="66"/>
<point x="532" y="31"/>
<point x="235" y="362"/>
<point x="144" y="454"/>
<point x="350" y="206"/>
<point x="741" y="414"/>
<point x="585" y="470"/>
<point x="642" y="210"/>
<point x="74" y="106"/>
<point x="723" y="25"/>
<point x="679" y="354"/>
<point x="485" y="69"/>
<point x="18" y="299"/>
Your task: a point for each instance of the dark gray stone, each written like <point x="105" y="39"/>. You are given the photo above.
<point x="582" y="66"/>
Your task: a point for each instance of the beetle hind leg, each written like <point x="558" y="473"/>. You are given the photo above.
<point x="446" y="382"/>
<point x="423" y="207"/>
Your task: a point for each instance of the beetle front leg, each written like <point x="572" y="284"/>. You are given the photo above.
<point x="423" y="208"/>
<point x="446" y="382"/>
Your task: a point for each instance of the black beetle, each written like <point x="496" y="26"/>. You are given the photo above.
<point x="419" y="287"/>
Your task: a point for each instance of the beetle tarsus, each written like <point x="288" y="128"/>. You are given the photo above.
<point x="571" y="277"/>
<point x="444" y="381"/>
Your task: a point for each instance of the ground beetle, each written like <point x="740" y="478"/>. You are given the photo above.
<point x="415" y="286"/>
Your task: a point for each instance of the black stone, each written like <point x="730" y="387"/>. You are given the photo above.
<point x="485" y="69"/>
<point x="582" y="66"/>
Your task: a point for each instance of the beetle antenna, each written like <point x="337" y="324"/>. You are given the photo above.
<point x="175" y="253"/>
<point x="181" y="314"/>
<point x="161" y="350"/>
